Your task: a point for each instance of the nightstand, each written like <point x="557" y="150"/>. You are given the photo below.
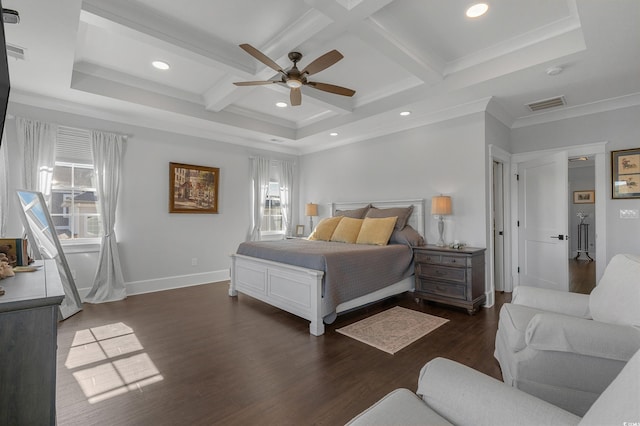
<point x="450" y="276"/>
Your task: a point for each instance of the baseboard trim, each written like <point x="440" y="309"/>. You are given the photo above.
<point x="169" y="283"/>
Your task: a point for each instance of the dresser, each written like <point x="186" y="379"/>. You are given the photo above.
<point x="451" y="276"/>
<point x="28" y="345"/>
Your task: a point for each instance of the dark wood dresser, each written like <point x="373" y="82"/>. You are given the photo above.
<point x="450" y="276"/>
<point x="28" y="345"/>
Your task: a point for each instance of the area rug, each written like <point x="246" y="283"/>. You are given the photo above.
<point x="393" y="329"/>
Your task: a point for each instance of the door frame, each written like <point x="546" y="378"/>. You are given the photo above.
<point x="598" y="150"/>
<point x="499" y="155"/>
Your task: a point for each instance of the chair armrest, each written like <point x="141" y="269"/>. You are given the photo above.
<point x="465" y="396"/>
<point x="561" y="302"/>
<point x="555" y="332"/>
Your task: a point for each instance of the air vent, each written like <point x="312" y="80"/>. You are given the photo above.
<point x="15" y="51"/>
<point x="547" y="103"/>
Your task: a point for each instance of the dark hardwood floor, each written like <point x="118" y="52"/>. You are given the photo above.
<point x="195" y="356"/>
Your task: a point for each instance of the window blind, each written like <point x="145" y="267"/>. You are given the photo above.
<point x="73" y="145"/>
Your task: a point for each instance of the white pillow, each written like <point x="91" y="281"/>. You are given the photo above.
<point x="616" y="298"/>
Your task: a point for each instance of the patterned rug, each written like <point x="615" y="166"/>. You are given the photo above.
<point x="393" y="329"/>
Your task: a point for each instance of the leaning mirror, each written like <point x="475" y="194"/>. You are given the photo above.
<point x="42" y="235"/>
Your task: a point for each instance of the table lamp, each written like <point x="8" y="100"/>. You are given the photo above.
<point x="440" y="207"/>
<point x="311" y="210"/>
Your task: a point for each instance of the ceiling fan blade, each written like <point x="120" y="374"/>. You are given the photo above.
<point x="255" y="83"/>
<point x="338" y="90"/>
<point x="296" y="96"/>
<point x="323" y="62"/>
<point x="261" y="57"/>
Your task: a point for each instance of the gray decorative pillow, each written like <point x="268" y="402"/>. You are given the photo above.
<point x="403" y="214"/>
<point x="407" y="236"/>
<point x="356" y="213"/>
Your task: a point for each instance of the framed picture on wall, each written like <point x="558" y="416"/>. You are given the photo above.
<point x="584" y="197"/>
<point x="193" y="189"/>
<point x="625" y="173"/>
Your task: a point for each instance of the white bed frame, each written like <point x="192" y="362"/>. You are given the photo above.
<point x="299" y="290"/>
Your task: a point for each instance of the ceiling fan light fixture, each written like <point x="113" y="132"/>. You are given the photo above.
<point x="161" y="65"/>
<point x="293" y="83"/>
<point x="477" y="10"/>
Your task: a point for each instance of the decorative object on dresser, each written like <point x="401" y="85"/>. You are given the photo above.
<point x="311" y="210"/>
<point x="450" y="276"/>
<point x="299" y="231"/>
<point x="441" y="207"/>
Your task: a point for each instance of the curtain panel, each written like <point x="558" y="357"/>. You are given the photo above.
<point x="260" y="168"/>
<point x="108" y="152"/>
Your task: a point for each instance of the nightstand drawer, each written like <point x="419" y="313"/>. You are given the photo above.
<point x="441" y="289"/>
<point x="438" y="259"/>
<point x="444" y="273"/>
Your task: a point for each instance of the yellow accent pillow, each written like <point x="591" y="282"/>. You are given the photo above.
<point x="376" y="231"/>
<point x="324" y="229"/>
<point x="347" y="230"/>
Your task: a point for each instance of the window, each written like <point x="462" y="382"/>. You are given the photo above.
<point x="272" y="219"/>
<point x="74" y="200"/>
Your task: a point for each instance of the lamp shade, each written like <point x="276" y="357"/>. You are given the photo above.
<point x="441" y="205"/>
<point x="311" y="210"/>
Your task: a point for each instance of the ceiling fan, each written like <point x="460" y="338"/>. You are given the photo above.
<point x="295" y="78"/>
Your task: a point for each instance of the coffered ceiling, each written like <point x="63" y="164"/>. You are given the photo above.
<point x="423" y="56"/>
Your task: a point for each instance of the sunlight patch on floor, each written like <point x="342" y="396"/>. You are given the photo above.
<point x="109" y="360"/>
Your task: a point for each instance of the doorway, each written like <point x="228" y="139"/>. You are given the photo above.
<point x="595" y="151"/>
<point x="582" y="224"/>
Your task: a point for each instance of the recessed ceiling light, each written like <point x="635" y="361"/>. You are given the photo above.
<point x="281" y="104"/>
<point x="405" y="113"/>
<point x="161" y="65"/>
<point x="477" y="9"/>
<point x="333" y="134"/>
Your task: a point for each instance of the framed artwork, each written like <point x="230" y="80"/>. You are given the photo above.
<point x="584" y="197"/>
<point x="299" y="230"/>
<point x="625" y="173"/>
<point x="193" y="189"/>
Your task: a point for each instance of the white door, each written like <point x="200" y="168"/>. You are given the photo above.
<point x="543" y="256"/>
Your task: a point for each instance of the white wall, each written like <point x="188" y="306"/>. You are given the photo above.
<point x="621" y="129"/>
<point x="443" y="158"/>
<point x="156" y="247"/>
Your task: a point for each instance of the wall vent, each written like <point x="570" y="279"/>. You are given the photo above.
<point x="15" y="51"/>
<point x="547" y="103"/>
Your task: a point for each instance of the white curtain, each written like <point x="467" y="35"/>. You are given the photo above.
<point x="39" y="142"/>
<point x="260" y="186"/>
<point x="287" y="176"/>
<point x="108" y="151"/>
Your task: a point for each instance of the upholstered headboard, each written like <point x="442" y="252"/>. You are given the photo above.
<point x="416" y="220"/>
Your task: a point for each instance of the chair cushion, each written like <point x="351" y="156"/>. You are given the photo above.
<point x="615" y="298"/>
<point x="513" y="323"/>
<point x="400" y="407"/>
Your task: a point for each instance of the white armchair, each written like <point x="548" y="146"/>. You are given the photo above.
<point x="566" y="348"/>
<point x="450" y="393"/>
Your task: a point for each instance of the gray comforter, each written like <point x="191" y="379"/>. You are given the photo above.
<point x="351" y="270"/>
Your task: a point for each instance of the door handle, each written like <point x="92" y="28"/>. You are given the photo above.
<point x="560" y="237"/>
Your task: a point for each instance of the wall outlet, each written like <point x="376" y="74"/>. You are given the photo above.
<point x="629" y="214"/>
<point x="194" y="261"/>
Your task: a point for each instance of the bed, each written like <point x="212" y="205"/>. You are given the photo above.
<point x="316" y="286"/>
